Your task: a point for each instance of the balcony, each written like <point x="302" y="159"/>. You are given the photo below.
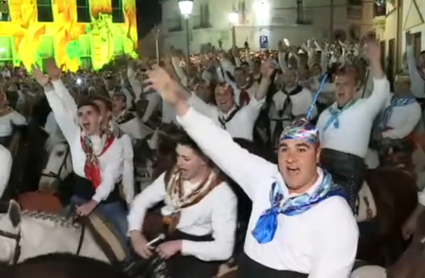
<point x="305" y="17"/>
<point x="354" y="12"/>
<point x="174" y="25"/>
<point x="198" y="23"/>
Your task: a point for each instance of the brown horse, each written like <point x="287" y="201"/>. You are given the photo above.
<point x="395" y="194"/>
<point x="411" y="264"/>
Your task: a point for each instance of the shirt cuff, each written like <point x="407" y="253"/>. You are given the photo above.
<point x="188" y="247"/>
<point x="97" y="198"/>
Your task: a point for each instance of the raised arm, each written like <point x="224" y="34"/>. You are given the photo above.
<point x="216" y="142"/>
<point x="6" y="167"/>
<point x="417" y="82"/>
<point x="381" y="86"/>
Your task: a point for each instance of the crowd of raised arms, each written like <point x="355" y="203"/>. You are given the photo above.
<point x="303" y="161"/>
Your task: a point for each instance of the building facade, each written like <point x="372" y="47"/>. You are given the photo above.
<point x="274" y="20"/>
<point x="77" y="33"/>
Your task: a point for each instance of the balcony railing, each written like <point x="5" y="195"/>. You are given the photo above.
<point x="355" y="12"/>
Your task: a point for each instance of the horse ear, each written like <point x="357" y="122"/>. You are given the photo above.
<point x="14" y="213"/>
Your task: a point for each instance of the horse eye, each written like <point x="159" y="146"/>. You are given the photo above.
<point x="60" y="153"/>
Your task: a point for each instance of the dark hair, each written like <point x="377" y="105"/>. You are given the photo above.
<point x="180" y="137"/>
<point x="239" y="69"/>
<point x="106" y="102"/>
<point x="422" y="52"/>
<point x="89" y="103"/>
<point x="244" y="63"/>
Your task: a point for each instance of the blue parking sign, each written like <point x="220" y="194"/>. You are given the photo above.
<point x="264" y="42"/>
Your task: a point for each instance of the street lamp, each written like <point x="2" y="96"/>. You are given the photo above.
<point x="186" y="7"/>
<point x="233" y="19"/>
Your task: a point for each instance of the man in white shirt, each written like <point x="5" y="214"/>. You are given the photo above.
<point x="128" y="121"/>
<point x="8" y="116"/>
<point x="105" y="107"/>
<point x="97" y="156"/>
<point x="346" y="125"/>
<point x="290" y="102"/>
<point x="395" y="123"/>
<point x="5" y="168"/>
<point x="203" y="220"/>
<point x="238" y="121"/>
<point x="300" y="226"/>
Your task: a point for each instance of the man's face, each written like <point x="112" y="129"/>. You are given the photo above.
<point x="188" y="162"/>
<point x="240" y="77"/>
<point x="110" y="84"/>
<point x="298" y="164"/>
<point x="289" y="78"/>
<point x="118" y="103"/>
<point x="104" y="113"/>
<point x="89" y="119"/>
<point x="224" y="98"/>
<point x="345" y="88"/>
<point x="316" y="70"/>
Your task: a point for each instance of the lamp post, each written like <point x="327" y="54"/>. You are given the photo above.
<point x="233" y="19"/>
<point x="186" y="7"/>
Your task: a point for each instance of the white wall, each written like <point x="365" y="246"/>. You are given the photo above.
<point x="419" y="28"/>
<point x="275" y="18"/>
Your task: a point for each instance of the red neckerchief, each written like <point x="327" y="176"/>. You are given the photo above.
<point x="92" y="165"/>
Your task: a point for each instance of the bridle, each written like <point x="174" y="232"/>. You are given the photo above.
<point x="17" y="238"/>
<point x="62" y="166"/>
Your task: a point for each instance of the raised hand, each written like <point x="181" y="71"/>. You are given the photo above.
<point x="52" y="69"/>
<point x="267" y="68"/>
<point x="159" y="80"/>
<point x="41" y="78"/>
<point x="373" y="50"/>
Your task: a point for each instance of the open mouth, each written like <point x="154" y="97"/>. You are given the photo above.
<point x="292" y="171"/>
<point x="86" y="125"/>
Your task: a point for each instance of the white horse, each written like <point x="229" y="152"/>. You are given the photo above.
<point x="59" y="164"/>
<point x="25" y="235"/>
<point x="369" y="271"/>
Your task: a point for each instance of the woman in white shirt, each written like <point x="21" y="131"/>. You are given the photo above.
<point x="201" y="209"/>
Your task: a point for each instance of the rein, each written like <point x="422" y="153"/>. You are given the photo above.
<point x="17" y="238"/>
<point x="63" y="165"/>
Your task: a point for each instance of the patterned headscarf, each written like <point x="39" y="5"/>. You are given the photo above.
<point x="301" y="130"/>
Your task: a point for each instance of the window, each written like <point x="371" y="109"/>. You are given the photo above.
<point x="4" y="11"/>
<point x="44" y="11"/>
<point x="6" y="53"/>
<point x="117" y="11"/>
<point x="83" y="11"/>
<point x="242" y="12"/>
<point x="205" y="16"/>
<point x="380" y="8"/>
<point x="300" y="11"/>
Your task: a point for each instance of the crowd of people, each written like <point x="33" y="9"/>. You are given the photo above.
<point x="327" y="110"/>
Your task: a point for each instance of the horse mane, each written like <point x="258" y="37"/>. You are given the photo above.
<point x="66" y="222"/>
<point x="54" y="138"/>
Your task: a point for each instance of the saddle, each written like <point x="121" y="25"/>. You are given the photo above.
<point x="105" y="236"/>
<point x="366" y="206"/>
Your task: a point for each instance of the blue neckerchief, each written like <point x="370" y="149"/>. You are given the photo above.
<point x="266" y="226"/>
<point x="381" y="121"/>
<point x="335" y="112"/>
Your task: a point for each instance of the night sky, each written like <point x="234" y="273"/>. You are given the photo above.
<point x="148" y="15"/>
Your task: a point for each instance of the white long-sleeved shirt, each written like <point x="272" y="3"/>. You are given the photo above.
<point x="215" y="214"/>
<point x="241" y="125"/>
<point x="111" y="162"/>
<point x="128" y="168"/>
<point x="355" y="123"/>
<point x="303" y="243"/>
<point x="5" y="168"/>
<point x="6" y="122"/>
<point x="417" y="83"/>
<point x="403" y="120"/>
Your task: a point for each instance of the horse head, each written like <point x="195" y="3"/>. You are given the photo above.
<point x="10" y="233"/>
<point x="58" y="167"/>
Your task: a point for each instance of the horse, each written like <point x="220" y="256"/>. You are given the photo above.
<point x="62" y="265"/>
<point x="410" y="264"/>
